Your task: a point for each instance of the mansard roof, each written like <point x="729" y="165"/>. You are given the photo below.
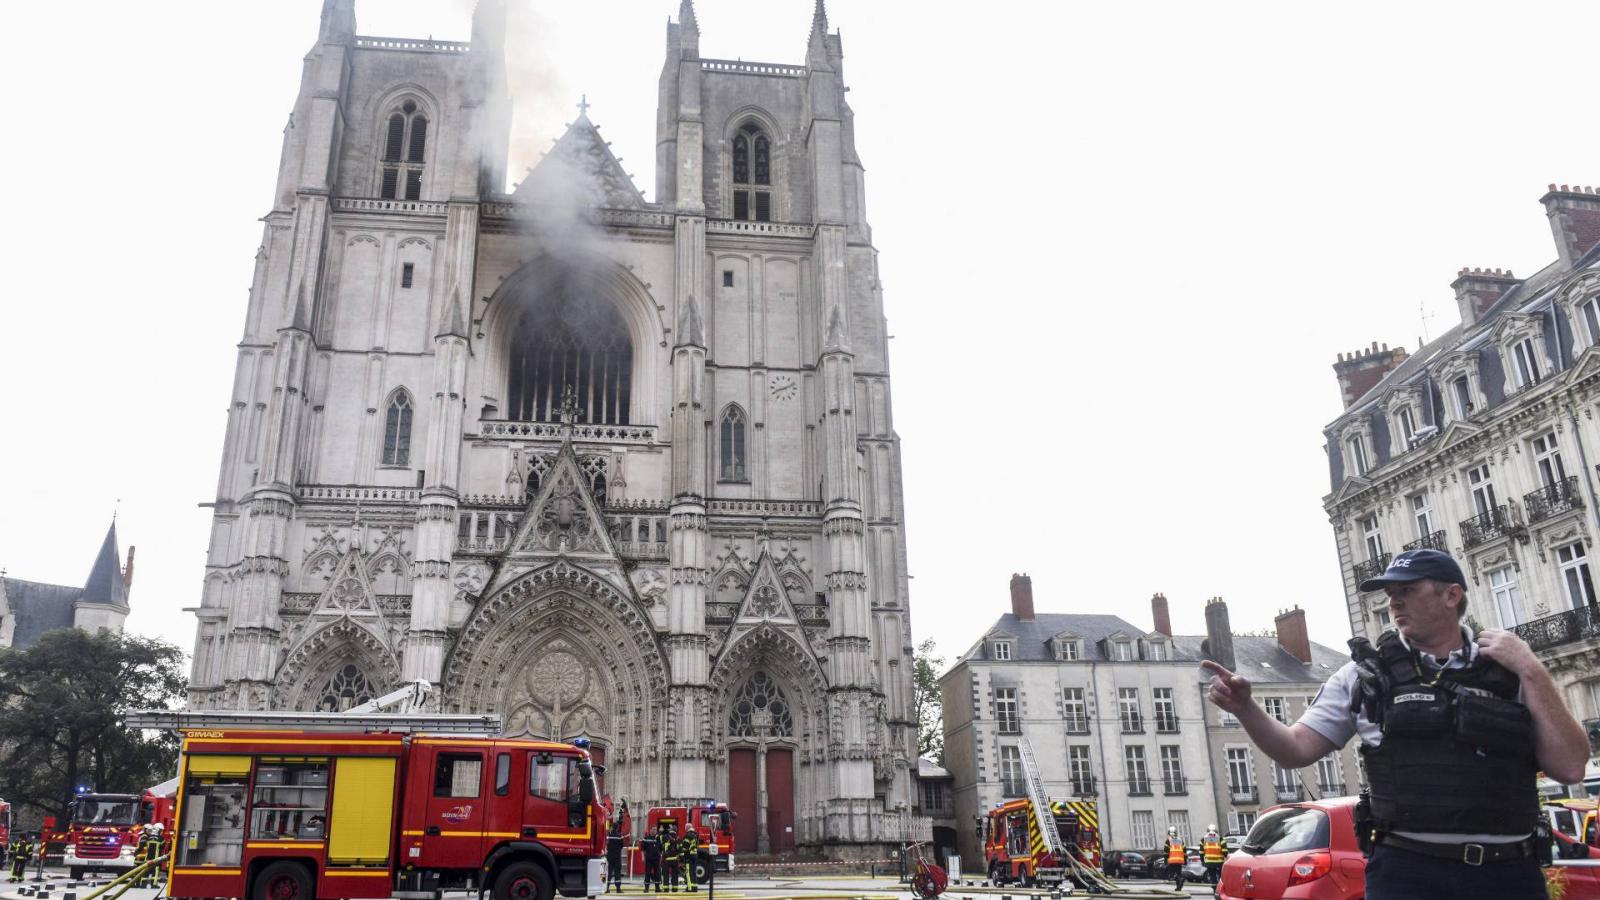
<point x="1263" y="661"/>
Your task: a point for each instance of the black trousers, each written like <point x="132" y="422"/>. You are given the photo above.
<point x="1394" y="874"/>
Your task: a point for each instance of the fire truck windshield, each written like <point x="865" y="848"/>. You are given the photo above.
<point x="106" y="812"/>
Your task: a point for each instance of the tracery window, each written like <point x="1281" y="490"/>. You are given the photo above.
<point x="405" y="141"/>
<point x="346" y="687"/>
<point x="752" y="171"/>
<point x="760" y="701"/>
<point x="733" y="458"/>
<point x="568" y="343"/>
<point x="397" y="430"/>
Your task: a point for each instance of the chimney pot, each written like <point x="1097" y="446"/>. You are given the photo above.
<point x="1219" y="634"/>
<point x="1160" y="614"/>
<point x="1574" y="213"/>
<point x="1292" y="636"/>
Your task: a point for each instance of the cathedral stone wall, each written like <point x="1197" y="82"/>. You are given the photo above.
<point x="606" y="467"/>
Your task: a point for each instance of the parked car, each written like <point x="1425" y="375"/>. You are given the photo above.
<point x="1231" y="842"/>
<point x="1305" y="851"/>
<point x="1576" y="866"/>
<point x="1126" y="864"/>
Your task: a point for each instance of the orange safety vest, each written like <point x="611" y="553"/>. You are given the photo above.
<point x="1174" y="852"/>
<point x="1211" y="851"/>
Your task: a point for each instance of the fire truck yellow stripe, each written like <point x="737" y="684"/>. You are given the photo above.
<point x="219" y="765"/>
<point x="205" y="871"/>
<point x="363" y="809"/>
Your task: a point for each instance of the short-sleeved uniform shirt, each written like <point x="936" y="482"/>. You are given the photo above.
<point x="1330" y="716"/>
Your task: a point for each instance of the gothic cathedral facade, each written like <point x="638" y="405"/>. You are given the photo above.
<point x="609" y="468"/>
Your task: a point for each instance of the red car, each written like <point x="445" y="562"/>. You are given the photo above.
<point x="1304" y="850"/>
<point x="1576" y="867"/>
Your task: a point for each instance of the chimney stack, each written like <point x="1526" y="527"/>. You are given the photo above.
<point x="1478" y="289"/>
<point x="1359" y="371"/>
<point x="1158" y="612"/>
<point x="1574" y="220"/>
<point x="1219" y="634"/>
<point x="1022" y="597"/>
<point x="1292" y="636"/>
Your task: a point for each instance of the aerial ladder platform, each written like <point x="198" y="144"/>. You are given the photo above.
<point x="398" y="711"/>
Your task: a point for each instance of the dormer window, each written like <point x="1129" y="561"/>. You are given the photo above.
<point x="1157" y="651"/>
<point x="752" y="174"/>
<point x="405" y="142"/>
<point x="1122" y="650"/>
<point x="1525" y="364"/>
<point x="1589" y="313"/>
<point x="1000" y="650"/>
<point x="1068" y="649"/>
<point x="1356" y="447"/>
<point x="1461" y="393"/>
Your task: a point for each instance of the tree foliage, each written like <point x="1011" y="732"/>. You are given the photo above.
<point x="61" y="705"/>
<point x="925" y="671"/>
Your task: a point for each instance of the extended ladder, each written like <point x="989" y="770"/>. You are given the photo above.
<point x="1041" y="803"/>
<point x="220" y="719"/>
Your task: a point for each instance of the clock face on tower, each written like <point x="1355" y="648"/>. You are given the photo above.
<point x="784" y="388"/>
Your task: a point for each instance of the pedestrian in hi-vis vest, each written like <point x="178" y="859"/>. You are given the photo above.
<point x="1176" y="854"/>
<point x="1454" y="729"/>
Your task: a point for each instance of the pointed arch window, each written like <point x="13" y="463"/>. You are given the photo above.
<point x="580" y="344"/>
<point x="348" y="686"/>
<point x="752" y="174"/>
<point x="405" y="144"/>
<point x="733" y="455"/>
<point x="397" y="430"/>
<point x="760" y="709"/>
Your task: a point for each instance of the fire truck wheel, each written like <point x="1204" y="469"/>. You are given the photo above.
<point x="700" y="872"/>
<point x="997" y="874"/>
<point x="282" y="880"/>
<point x="77" y="873"/>
<point x="524" y="881"/>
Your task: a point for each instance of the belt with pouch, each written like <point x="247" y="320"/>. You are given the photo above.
<point x="1471" y="853"/>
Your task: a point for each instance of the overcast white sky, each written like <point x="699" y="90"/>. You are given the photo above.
<point x="1121" y="243"/>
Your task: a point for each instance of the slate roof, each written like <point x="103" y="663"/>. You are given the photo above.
<point x="105" y="579"/>
<point x="39" y="608"/>
<point x="1259" y="659"/>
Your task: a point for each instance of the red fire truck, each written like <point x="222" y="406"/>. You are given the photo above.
<point x="5" y="830"/>
<point x="301" y="814"/>
<point x="712" y="821"/>
<point x="1015" y="850"/>
<point x="104" y="830"/>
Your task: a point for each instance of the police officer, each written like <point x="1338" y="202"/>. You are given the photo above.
<point x="650" y="849"/>
<point x="614" y="857"/>
<point x="1453" y="728"/>
<point x="1212" y="854"/>
<point x="688" y="849"/>
<point x="1175" y="856"/>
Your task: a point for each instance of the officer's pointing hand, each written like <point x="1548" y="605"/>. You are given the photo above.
<point x="1228" y="691"/>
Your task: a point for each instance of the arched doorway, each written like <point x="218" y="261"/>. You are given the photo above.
<point x="761" y="746"/>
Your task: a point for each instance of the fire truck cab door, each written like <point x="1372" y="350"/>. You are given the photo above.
<point x="550" y="795"/>
<point x="452" y="828"/>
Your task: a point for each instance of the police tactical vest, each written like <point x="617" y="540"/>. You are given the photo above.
<point x="1457" y="750"/>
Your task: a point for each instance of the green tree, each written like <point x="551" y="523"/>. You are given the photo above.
<point x="925" y="671"/>
<point x="61" y="706"/>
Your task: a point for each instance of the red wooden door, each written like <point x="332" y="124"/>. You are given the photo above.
<point x="742" y="798"/>
<point x="780" y="800"/>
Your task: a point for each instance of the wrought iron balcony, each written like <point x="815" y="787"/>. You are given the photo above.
<point x="1333" y="789"/>
<point x="1290" y="794"/>
<point x="1167" y="723"/>
<point x="1372" y="568"/>
<point x="1481" y="529"/>
<point x="1244" y="795"/>
<point x="1569" y="627"/>
<point x="1553" y="499"/>
<point x="1435" y="541"/>
<point x="1083" y="786"/>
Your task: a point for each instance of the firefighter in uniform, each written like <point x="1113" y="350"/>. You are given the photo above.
<point x="19" y="858"/>
<point x="1175" y="856"/>
<point x="688" y="849"/>
<point x="1212" y="854"/>
<point x="669" y="853"/>
<point x="149" y="848"/>
<point x="614" y="857"/>
<point x="1454" y="728"/>
<point x="650" y="849"/>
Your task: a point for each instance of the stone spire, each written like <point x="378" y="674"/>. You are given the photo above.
<point x="453" y="320"/>
<point x="489" y="24"/>
<point x="106" y="584"/>
<point x="338" y="21"/>
<point x="817" y="44"/>
<point x="686" y="18"/>
<point x="691" y="330"/>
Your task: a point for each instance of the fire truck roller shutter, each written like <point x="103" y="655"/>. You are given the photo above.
<point x="218" y="765"/>
<point x="363" y="811"/>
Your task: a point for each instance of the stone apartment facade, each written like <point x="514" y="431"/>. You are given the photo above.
<point x="1117" y="713"/>
<point x="1484" y="443"/>
<point x="612" y="468"/>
